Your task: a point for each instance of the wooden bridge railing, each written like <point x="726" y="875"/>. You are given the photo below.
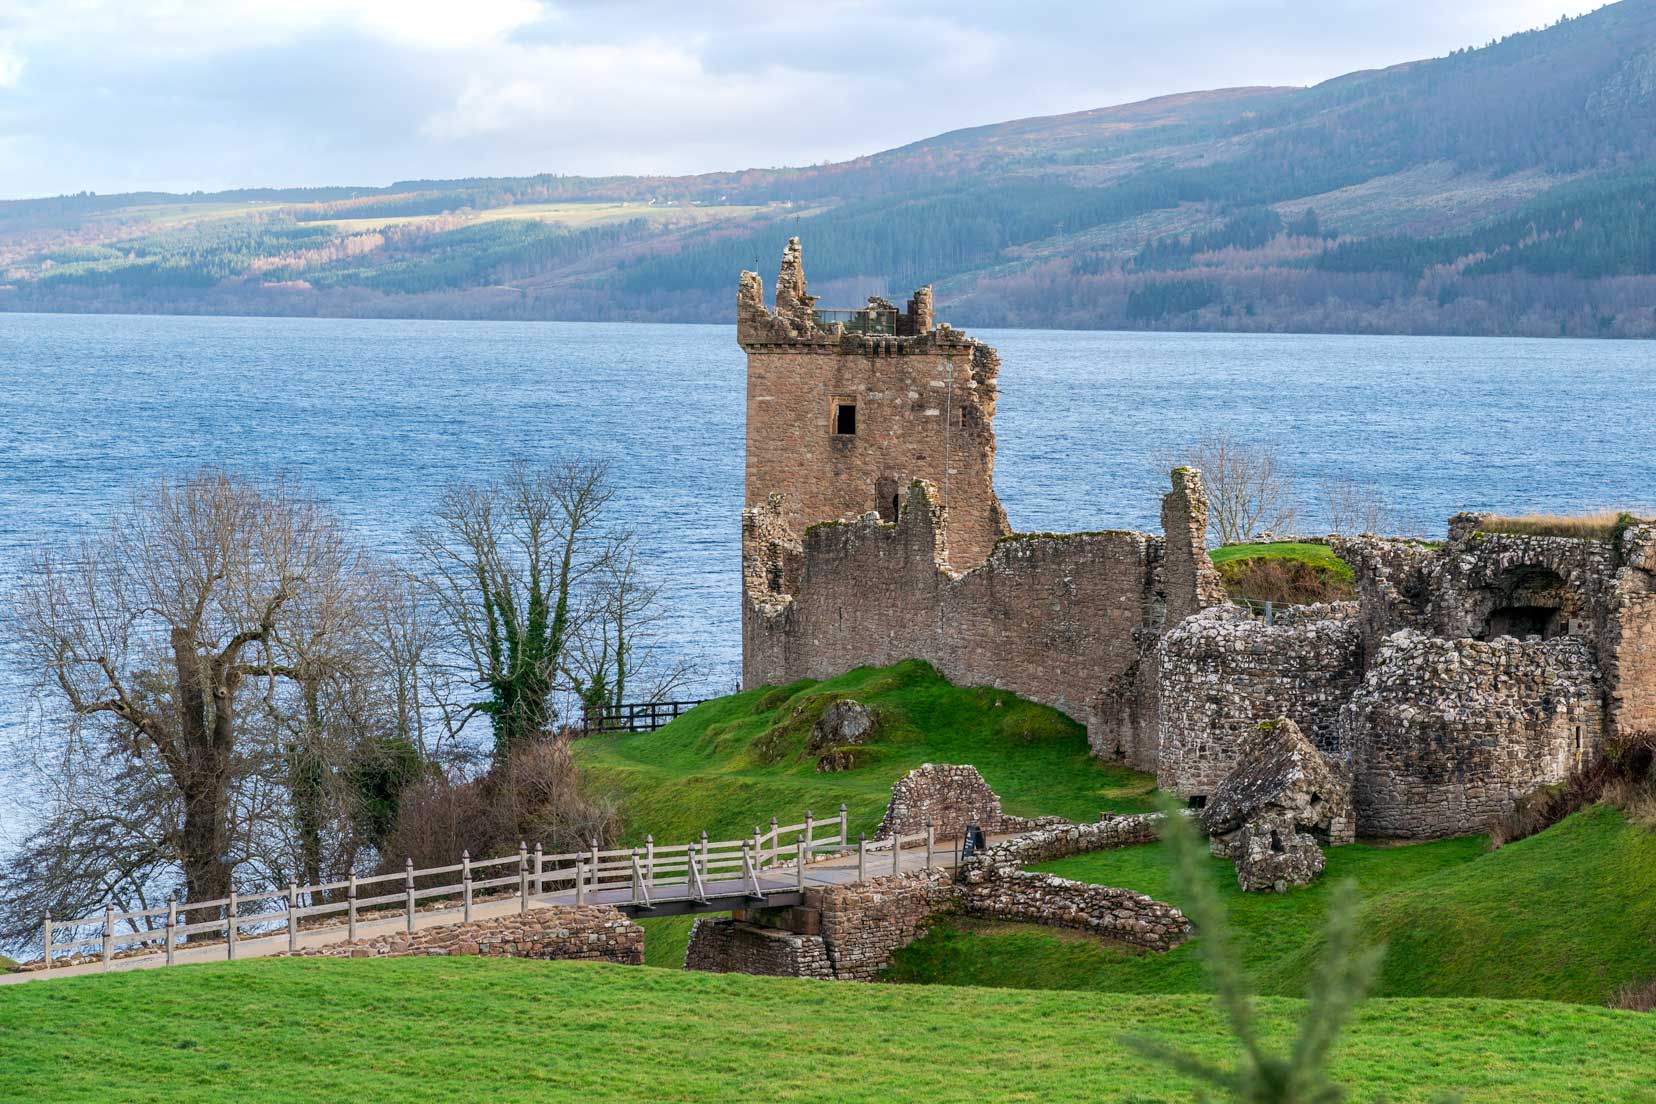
<point x="641" y="877"/>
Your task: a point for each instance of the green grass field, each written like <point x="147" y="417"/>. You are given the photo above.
<point x="1569" y="914"/>
<point x="737" y="761"/>
<point x="420" y="1029"/>
<point x="1317" y="555"/>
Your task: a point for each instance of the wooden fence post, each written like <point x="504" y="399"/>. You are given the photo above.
<point x="580" y="882"/>
<point x="704" y="853"/>
<point x="799" y="863"/>
<point x="540" y="870"/>
<point x="408" y="891"/>
<point x="46" y="943"/>
<point x="172" y="924"/>
<point x="108" y="935"/>
<point x="523" y="877"/>
<point x="230" y="926"/>
<point x="594" y="843"/>
<point x="776" y="842"/>
<point x="350" y="909"/>
<point x="862" y="857"/>
<point x="931" y="843"/>
<point x="896" y="852"/>
<point x="809" y="825"/>
<point x="845" y="829"/>
<point x="293" y="919"/>
<point x="756" y="845"/>
<point x="649" y="861"/>
<point x="465" y="886"/>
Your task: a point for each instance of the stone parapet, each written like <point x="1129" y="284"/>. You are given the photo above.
<point x="740" y="947"/>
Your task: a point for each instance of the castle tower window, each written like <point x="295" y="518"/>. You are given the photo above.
<point x="845" y="419"/>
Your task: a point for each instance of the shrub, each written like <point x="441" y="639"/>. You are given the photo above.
<point x="535" y="796"/>
<point x="1290" y="582"/>
<point x="1621" y="776"/>
<point x="1636" y="996"/>
<point x="1602" y="525"/>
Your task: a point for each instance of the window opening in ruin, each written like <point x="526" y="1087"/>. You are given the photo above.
<point x="1529" y="601"/>
<point x="845" y="419"/>
<point x="1578" y="737"/>
<point x="896" y="507"/>
<point x="1276" y="843"/>
<point x="773" y="578"/>
<point x="1198" y="801"/>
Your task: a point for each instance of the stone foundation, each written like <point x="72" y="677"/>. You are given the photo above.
<point x="563" y="932"/>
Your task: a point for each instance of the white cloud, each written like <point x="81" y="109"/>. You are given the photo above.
<point x="178" y="94"/>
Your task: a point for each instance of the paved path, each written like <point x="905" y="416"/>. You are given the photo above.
<point x="723" y="895"/>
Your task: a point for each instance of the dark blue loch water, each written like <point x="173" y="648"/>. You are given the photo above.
<point x="378" y="415"/>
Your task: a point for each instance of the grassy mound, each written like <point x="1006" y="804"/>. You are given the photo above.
<point x="1565" y="915"/>
<point x="1289" y="572"/>
<point x="735" y="762"/>
<point x="442" y="1029"/>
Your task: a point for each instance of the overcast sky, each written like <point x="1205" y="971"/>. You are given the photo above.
<point x="121" y="95"/>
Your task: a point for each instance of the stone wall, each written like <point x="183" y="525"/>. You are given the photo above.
<point x="1056" y="619"/>
<point x="924" y="399"/>
<point x="740" y="947"/>
<point x="864" y="924"/>
<point x="1445" y="734"/>
<point x="563" y="932"/>
<point x="1223" y="672"/>
<point x="1060" y="841"/>
<point x="1118" y="914"/>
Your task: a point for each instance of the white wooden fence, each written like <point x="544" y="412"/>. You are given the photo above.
<point x="702" y="871"/>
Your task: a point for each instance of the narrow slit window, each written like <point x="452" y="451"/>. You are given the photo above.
<point x="845" y="419"/>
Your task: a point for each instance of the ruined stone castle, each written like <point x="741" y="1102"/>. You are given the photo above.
<point x="1466" y="675"/>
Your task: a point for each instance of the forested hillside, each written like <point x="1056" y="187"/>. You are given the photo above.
<point x="1503" y="189"/>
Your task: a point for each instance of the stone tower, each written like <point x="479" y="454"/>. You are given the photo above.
<point x="847" y="409"/>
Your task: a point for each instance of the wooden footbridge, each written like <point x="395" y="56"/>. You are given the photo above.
<point x="768" y="869"/>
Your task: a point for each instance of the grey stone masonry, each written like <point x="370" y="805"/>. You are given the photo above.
<point x="1449" y="733"/>
<point x="1281" y="802"/>
<point x="1223" y="672"/>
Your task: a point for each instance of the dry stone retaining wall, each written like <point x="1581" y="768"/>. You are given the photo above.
<point x="1102" y="910"/>
<point x="563" y="932"/>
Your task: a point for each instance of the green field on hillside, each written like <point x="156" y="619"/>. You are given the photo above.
<point x="1569" y="914"/>
<point x="448" y="1029"/>
<point x="737" y="761"/>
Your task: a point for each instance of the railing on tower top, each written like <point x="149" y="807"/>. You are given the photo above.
<point x="880" y="321"/>
<point x="634" y="716"/>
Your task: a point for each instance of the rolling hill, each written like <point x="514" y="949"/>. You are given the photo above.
<point x="1504" y="189"/>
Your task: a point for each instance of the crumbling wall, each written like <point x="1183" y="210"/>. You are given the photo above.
<point x="1060" y="841"/>
<point x="947" y="798"/>
<point x="1119" y="914"/>
<point x="1627" y="640"/>
<point x="1050" y="618"/>
<point x="1445" y="734"/>
<point x="1223" y="672"/>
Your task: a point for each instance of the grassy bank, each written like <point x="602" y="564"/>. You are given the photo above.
<point x="1565" y="915"/>
<point x="737" y="761"/>
<point x="1285" y="571"/>
<point x="424" y="1029"/>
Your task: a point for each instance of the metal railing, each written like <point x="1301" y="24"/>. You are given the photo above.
<point x="878" y="321"/>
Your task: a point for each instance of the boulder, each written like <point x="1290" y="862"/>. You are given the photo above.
<point x="845" y="723"/>
<point x="1281" y="803"/>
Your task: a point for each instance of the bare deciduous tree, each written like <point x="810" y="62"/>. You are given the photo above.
<point x="504" y="565"/>
<point x="1248" y="492"/>
<point x="211" y="655"/>
<point x="619" y="656"/>
<point x="1351" y="509"/>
